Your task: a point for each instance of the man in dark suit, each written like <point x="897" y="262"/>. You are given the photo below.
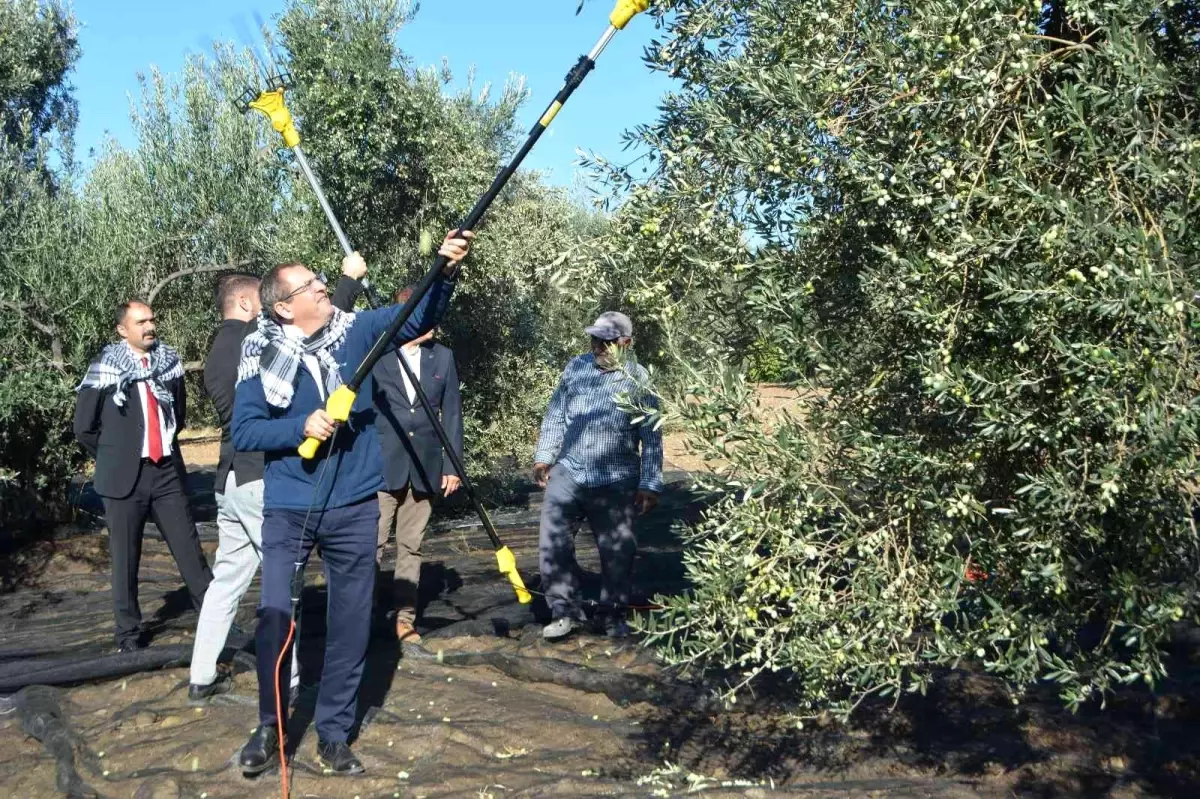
<point x="413" y="466"/>
<point x="129" y="409"/>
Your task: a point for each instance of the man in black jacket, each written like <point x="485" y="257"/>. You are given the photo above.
<point x="239" y="482"/>
<point x="413" y="466"/>
<point x="128" y="412"/>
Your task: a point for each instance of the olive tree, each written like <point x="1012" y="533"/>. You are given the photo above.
<point x="970" y="231"/>
<point x="38" y="224"/>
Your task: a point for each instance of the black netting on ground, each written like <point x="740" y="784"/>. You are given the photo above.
<point x="486" y="708"/>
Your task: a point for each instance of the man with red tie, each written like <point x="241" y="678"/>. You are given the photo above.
<point x="129" y="409"/>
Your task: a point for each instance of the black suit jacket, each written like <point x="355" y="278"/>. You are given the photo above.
<point x="220" y="381"/>
<point x="412" y="453"/>
<point x="113" y="435"/>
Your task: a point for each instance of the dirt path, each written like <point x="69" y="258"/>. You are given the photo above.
<point x="579" y="718"/>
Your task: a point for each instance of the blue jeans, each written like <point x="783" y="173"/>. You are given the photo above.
<point x="347" y="539"/>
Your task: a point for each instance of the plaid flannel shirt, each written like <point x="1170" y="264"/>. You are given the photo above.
<point x="595" y="440"/>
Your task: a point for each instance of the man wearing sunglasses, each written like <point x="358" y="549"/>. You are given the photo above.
<point x="303" y="350"/>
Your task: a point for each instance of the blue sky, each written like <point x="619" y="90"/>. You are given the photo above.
<point x="540" y="39"/>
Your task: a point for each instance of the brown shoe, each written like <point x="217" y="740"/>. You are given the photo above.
<point x="406" y="632"/>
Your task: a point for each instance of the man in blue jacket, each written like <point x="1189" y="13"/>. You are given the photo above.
<point x="303" y="350"/>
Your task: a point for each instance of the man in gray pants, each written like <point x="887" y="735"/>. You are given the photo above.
<point x="588" y="461"/>
<point x="239" y="482"/>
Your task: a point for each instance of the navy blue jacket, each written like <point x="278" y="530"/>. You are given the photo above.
<point x="412" y="452"/>
<point x="355" y="468"/>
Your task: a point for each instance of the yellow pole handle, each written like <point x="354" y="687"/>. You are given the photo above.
<point x="338" y="407"/>
<point x="308" y="450"/>
<point x="271" y="104"/>
<point x="508" y="567"/>
<point x="625" y="11"/>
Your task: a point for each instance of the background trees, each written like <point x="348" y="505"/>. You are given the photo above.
<point x="207" y="190"/>
<point x="38" y="219"/>
<point x="403" y="160"/>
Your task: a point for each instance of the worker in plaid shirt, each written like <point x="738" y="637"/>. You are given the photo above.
<point x="588" y="461"/>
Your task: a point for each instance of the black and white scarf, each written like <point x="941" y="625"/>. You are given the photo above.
<point x="274" y="355"/>
<point x="119" y="366"/>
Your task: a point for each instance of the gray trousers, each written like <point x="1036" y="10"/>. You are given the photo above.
<point x="239" y="554"/>
<point x="609" y="512"/>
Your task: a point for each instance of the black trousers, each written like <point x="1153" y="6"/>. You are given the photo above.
<point x="158" y="494"/>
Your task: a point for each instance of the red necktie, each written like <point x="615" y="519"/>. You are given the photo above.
<point x="155" y="429"/>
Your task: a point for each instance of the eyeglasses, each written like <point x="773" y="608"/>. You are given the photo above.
<point x="305" y="286"/>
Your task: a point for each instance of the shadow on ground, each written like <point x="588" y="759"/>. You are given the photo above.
<point x="967" y="730"/>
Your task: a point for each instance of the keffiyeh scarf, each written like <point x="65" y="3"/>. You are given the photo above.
<point x="275" y="356"/>
<point x="119" y="366"/>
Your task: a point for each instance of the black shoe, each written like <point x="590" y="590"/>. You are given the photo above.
<point x="200" y="694"/>
<point x="336" y="757"/>
<point x="125" y="647"/>
<point x="261" y="751"/>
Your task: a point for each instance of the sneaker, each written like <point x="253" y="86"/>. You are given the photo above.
<point x="559" y="628"/>
<point x="261" y="751"/>
<point x="336" y="757"/>
<point x="200" y="694"/>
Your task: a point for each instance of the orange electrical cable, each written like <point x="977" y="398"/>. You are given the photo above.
<point x="283" y="770"/>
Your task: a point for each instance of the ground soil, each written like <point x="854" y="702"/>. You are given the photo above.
<point x="485" y="708"/>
